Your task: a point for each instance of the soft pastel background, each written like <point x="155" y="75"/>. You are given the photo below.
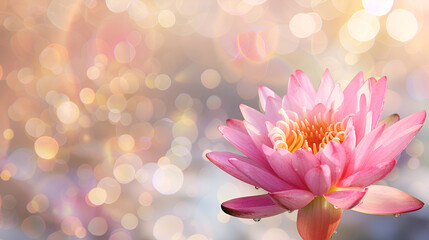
<point x="107" y="108"/>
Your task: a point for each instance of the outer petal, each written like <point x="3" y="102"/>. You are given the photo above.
<point x="305" y="83"/>
<point x="368" y="176"/>
<point x="252" y="207"/>
<point x="264" y="93"/>
<point x="384" y="200"/>
<point x="236" y="124"/>
<point x="264" y="179"/>
<point x="318" y="179"/>
<point x="244" y="143"/>
<point x="292" y="199"/>
<point x="318" y="220"/>
<point x="220" y="159"/>
<point x="396" y="138"/>
<point x="364" y="150"/>
<point x="345" y="199"/>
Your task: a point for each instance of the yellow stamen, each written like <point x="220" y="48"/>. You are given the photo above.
<point x="311" y="134"/>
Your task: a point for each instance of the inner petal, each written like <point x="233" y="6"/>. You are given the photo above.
<point x="309" y="133"/>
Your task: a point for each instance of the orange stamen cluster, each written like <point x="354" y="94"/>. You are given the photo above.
<point x="312" y="134"/>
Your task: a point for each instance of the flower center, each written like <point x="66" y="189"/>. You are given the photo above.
<point x="312" y="134"/>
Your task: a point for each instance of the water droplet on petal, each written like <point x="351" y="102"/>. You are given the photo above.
<point x="336" y="207"/>
<point x="256" y="219"/>
<point x="397" y="215"/>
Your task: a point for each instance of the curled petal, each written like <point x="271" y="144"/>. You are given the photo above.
<point x="292" y="199"/>
<point x="318" y="220"/>
<point x="384" y="200"/>
<point x="252" y="207"/>
<point x="345" y="199"/>
<point x="318" y="179"/>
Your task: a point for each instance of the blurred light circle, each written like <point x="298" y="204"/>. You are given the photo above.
<point x="402" y="25"/>
<point x="46" y="147"/>
<point x="97" y="196"/>
<point x="166" y="18"/>
<point x="129" y="221"/>
<point x="112" y="188"/>
<point x="35" y="127"/>
<point x="167" y="226"/>
<point x="210" y="78"/>
<point x="162" y="82"/>
<point x="197" y="237"/>
<point x="71" y="225"/>
<point x="236" y="7"/>
<point x="416" y="148"/>
<point x="33" y="226"/>
<point x="282" y="40"/>
<point x="418" y="85"/>
<point x="363" y="26"/>
<point x="255" y="2"/>
<point x="138" y="10"/>
<point x="120" y="234"/>
<point x="124" y="52"/>
<point x="351" y="44"/>
<point x="68" y="112"/>
<point x="213" y="102"/>
<point x="124" y="173"/>
<point x="145" y="199"/>
<point x="118" y="6"/>
<point x="126" y="142"/>
<point x="377" y="7"/>
<point x="302" y="25"/>
<point x="97" y="226"/>
<point x="116" y="103"/>
<point x="87" y="95"/>
<point x="168" y="179"/>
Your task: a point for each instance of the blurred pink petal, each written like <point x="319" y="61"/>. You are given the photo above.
<point x="384" y="200"/>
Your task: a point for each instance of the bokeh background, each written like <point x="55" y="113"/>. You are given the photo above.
<point x="107" y="108"/>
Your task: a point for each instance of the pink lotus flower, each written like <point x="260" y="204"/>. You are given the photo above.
<point x="319" y="152"/>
